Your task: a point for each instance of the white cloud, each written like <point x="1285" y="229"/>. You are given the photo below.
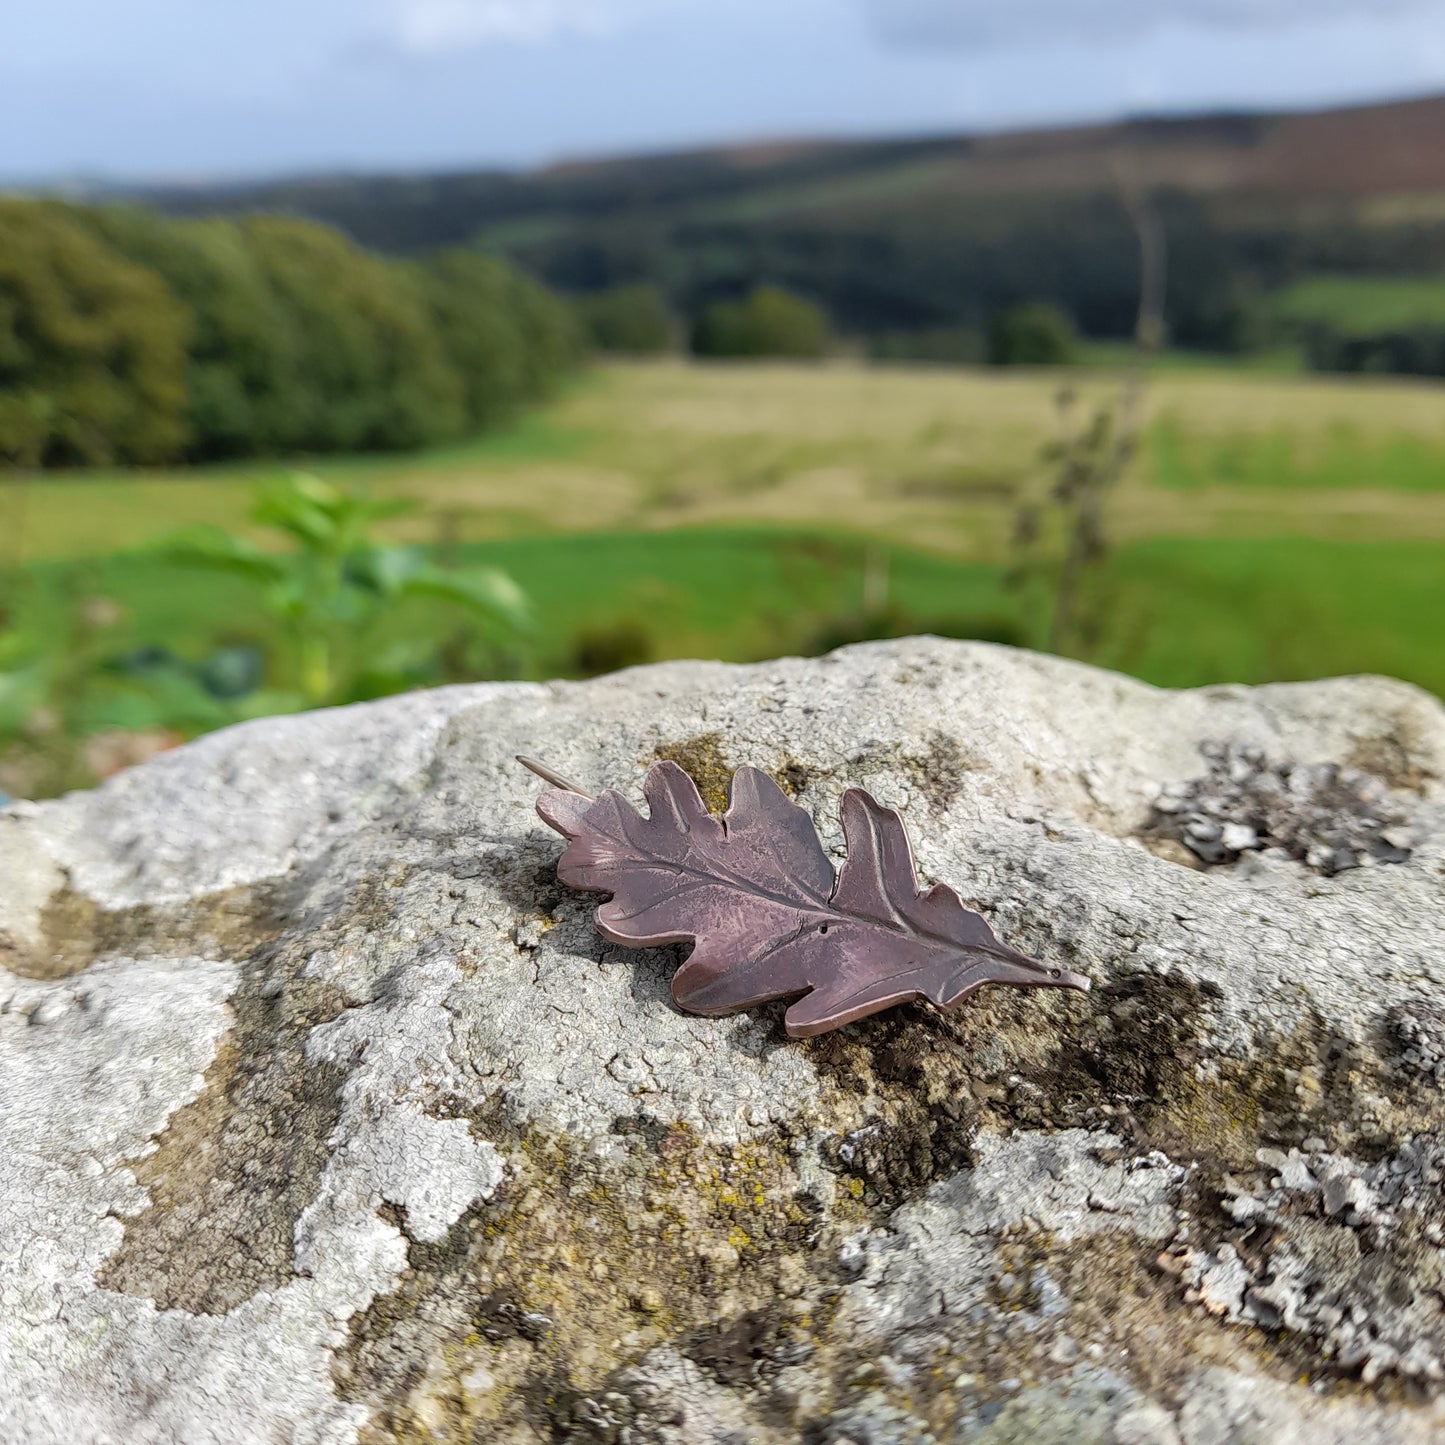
<point x="429" y="27"/>
<point x="435" y="27"/>
<point x="967" y="23"/>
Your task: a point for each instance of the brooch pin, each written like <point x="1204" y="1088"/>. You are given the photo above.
<point x="755" y="892"/>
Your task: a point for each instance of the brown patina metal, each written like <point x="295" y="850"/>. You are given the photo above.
<point x="755" y="892"/>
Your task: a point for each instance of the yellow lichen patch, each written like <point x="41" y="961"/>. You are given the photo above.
<point x="579" y="1267"/>
<point x="703" y="760"/>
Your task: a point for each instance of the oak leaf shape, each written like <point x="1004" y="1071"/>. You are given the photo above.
<point x="756" y="893"/>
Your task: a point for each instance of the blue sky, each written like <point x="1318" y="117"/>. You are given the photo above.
<point x="209" y="88"/>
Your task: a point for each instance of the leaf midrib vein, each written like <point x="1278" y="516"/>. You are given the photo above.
<point x="823" y="908"/>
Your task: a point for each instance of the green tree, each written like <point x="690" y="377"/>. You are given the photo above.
<point x="92" y="348"/>
<point x="771" y="322"/>
<point x="244" y="385"/>
<point x="721" y="330"/>
<point x="470" y="298"/>
<point x="631" y="320"/>
<point x="373" y="371"/>
<point x="950" y="345"/>
<point x="508" y="339"/>
<point x="553" y="340"/>
<point x="126" y="336"/>
<point x="1035" y="334"/>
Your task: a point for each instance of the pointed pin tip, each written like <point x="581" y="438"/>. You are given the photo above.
<point x="548" y="776"/>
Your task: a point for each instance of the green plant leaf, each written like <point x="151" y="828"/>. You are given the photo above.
<point x="304" y="507"/>
<point x="168" y="699"/>
<point x="212" y="547"/>
<point x="321" y="515"/>
<point x="384" y="569"/>
<point x="481" y="589"/>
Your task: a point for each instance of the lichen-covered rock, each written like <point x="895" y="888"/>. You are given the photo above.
<point x="326" y="1116"/>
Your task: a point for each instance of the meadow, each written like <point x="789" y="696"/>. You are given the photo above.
<point x="1268" y="527"/>
<point x="917" y="456"/>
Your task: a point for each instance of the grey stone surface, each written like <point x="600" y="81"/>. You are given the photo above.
<point x="328" y="1117"/>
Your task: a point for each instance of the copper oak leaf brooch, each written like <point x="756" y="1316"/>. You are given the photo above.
<point x="754" y="890"/>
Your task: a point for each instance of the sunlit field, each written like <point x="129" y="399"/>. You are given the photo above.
<point x="917" y="456"/>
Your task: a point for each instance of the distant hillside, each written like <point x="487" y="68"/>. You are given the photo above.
<point x="944" y="231"/>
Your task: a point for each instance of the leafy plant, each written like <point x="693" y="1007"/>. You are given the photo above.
<point x="1059" y="540"/>
<point x="336" y="580"/>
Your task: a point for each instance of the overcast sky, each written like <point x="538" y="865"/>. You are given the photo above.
<point x="202" y="88"/>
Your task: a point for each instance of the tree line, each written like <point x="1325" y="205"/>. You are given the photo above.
<point x="130" y="338"/>
<point x="769" y="322"/>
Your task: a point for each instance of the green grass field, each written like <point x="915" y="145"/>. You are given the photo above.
<point x="1338" y="457"/>
<point x="925" y="456"/>
<point x="1363" y="305"/>
<point x="1186" y="612"/>
<point x="1272" y="527"/>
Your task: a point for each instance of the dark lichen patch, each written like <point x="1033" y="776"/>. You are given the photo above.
<point x="1330" y="818"/>
<point x="922" y="1116"/>
<point x="1337" y="1264"/>
<point x="234" y="1169"/>
<point x="1415" y="1031"/>
<point x="939" y="772"/>
<point x="1116" y="1301"/>
<point x="1112" y="1298"/>
<point x="747" y="1348"/>
<point x="703" y="760"/>
<point x="1137" y="1057"/>
<point x="617" y="1256"/>
<point x="1141" y="1062"/>
<point x="930" y="1081"/>
<point x="793" y="776"/>
<point x="76" y="931"/>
